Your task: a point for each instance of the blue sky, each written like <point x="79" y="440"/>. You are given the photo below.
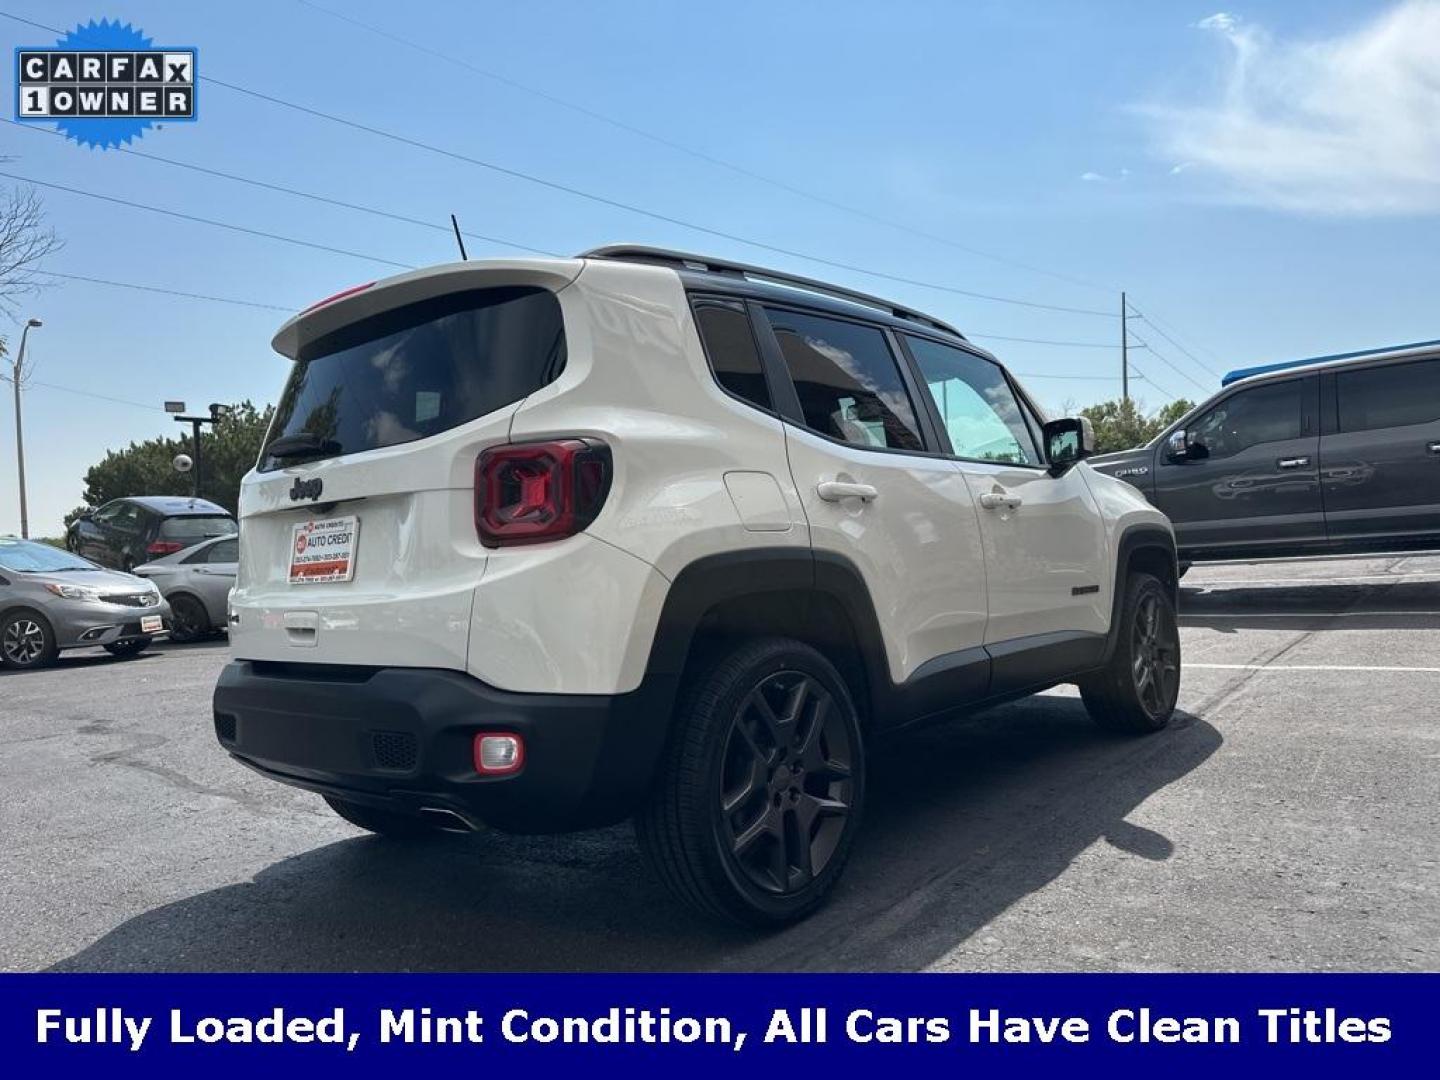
<point x="1261" y="178"/>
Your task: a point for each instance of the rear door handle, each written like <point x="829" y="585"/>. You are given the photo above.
<point x="1293" y="462"/>
<point x="835" y="490"/>
<point x="997" y="500"/>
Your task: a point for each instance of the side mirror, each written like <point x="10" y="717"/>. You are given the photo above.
<point x="1181" y="447"/>
<point x="1068" y="441"/>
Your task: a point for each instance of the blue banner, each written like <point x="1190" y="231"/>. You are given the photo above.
<point x="706" y="1025"/>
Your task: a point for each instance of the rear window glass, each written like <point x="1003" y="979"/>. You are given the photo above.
<point x="419" y="370"/>
<point x="730" y="347"/>
<point x="226" y="551"/>
<point x="1396" y="395"/>
<point x="197" y="528"/>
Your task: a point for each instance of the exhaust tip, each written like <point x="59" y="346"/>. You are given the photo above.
<point x="446" y="820"/>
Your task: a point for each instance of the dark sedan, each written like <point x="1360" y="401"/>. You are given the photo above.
<point x="127" y="532"/>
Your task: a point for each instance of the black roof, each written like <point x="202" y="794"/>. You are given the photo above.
<point x="777" y="286"/>
<point x="176" y="505"/>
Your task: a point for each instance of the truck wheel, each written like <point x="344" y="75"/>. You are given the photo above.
<point x="1137" y="691"/>
<point x="382" y="822"/>
<point x="760" y="789"/>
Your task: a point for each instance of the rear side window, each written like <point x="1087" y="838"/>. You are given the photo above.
<point x="226" y="551"/>
<point x="194" y="529"/>
<point x="1261" y="415"/>
<point x="730" y="348"/>
<point x="419" y="370"/>
<point x="847" y="379"/>
<point x="1393" y="396"/>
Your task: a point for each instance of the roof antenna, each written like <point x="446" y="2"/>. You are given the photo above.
<point x="458" y="240"/>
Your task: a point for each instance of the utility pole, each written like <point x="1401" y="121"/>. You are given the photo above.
<point x="16" y="372"/>
<point x="1124" y="349"/>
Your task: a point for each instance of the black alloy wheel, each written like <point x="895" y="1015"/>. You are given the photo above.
<point x="1136" y="691"/>
<point x="758" y="797"/>
<point x="1155" y="655"/>
<point x="787" y="782"/>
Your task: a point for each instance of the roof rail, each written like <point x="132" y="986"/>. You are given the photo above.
<point x="684" y="261"/>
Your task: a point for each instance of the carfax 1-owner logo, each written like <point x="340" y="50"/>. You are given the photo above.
<point x="105" y="83"/>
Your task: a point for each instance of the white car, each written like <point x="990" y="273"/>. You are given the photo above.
<point x="545" y="544"/>
<point x="197" y="583"/>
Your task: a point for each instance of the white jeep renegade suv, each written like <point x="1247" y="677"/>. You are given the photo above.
<point x="546" y="544"/>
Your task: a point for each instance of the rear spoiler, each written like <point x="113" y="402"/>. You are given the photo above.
<point x="361" y="301"/>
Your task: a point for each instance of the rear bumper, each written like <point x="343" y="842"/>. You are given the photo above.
<point x="401" y="739"/>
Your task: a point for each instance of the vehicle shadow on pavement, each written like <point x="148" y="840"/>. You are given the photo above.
<point x="964" y="820"/>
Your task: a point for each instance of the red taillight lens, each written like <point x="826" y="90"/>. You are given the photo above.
<point x="164" y="547"/>
<point x="527" y="493"/>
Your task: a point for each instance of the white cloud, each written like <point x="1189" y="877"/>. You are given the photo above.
<point x="1221" y="20"/>
<point x="1343" y="125"/>
<point x="1092" y="178"/>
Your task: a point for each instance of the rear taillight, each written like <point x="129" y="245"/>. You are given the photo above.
<point x="164" y="547"/>
<point x="527" y="493"/>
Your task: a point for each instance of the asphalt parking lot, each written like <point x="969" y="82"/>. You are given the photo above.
<point x="1289" y="820"/>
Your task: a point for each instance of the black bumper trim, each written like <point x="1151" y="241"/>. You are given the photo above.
<point x="589" y="759"/>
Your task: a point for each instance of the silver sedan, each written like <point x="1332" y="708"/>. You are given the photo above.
<point x="197" y="583"/>
<point x="52" y="600"/>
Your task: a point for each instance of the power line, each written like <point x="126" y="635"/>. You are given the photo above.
<point x="269" y="186"/>
<point x="165" y="291"/>
<point x="1140" y="374"/>
<point x="1159" y="330"/>
<point x="632" y="208"/>
<point x="1164" y="360"/>
<point x="92" y="394"/>
<point x="616" y="203"/>
<point x="698" y="154"/>
<point x="1044" y="341"/>
<point x="391" y="215"/>
<point x="209" y="221"/>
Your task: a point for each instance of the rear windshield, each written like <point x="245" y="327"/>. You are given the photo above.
<point x="419" y="370"/>
<point x="197" y="528"/>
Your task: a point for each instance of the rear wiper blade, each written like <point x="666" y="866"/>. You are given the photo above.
<point x="302" y="444"/>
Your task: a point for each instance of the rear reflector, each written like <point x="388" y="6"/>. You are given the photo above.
<point x="527" y="493"/>
<point x="498" y="754"/>
<point x="164" y="547"/>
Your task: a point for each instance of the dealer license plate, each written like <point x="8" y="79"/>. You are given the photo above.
<point x="323" y="551"/>
<point x="151" y="624"/>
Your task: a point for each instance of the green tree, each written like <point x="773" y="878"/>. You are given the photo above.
<point x="227" y="451"/>
<point x="1120" y="425"/>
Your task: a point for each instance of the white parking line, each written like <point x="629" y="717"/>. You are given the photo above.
<point x="1267" y="582"/>
<point x="1241" y="614"/>
<point x="1310" y="667"/>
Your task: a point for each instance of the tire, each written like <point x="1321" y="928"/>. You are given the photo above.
<point x="27" y="641"/>
<point x="761" y="786"/>
<point x="385" y="823"/>
<point x="1137" y="690"/>
<point x="128" y="648"/>
<point x="190" y="619"/>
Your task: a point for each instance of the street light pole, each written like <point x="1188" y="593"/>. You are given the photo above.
<point x="15" y="373"/>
